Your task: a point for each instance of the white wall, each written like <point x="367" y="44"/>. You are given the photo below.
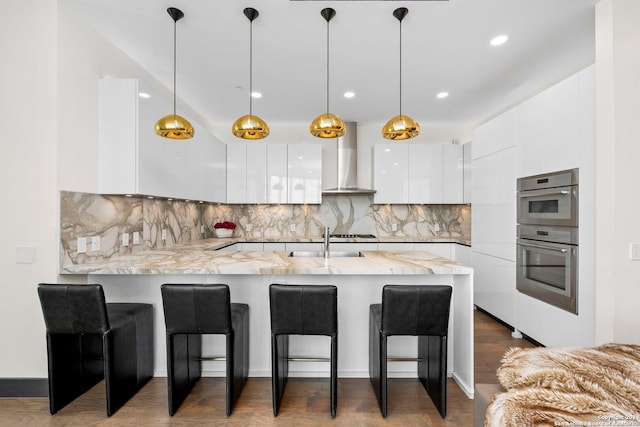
<point x="28" y="174"/>
<point x="617" y="171"/>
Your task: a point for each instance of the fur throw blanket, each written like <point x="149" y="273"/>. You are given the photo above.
<point x="568" y="386"/>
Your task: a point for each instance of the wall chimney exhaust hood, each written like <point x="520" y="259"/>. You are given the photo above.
<point x="348" y="165"/>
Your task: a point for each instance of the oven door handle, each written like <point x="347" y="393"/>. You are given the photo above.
<point x="535" y="193"/>
<point x="551" y="248"/>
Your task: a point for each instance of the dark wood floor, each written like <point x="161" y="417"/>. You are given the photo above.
<point x="306" y="401"/>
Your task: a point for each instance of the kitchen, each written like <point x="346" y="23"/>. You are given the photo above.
<point x="41" y="180"/>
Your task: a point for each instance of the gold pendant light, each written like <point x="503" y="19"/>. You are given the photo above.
<point x="250" y="126"/>
<point x="401" y="126"/>
<point x="327" y="125"/>
<point x="174" y="126"/>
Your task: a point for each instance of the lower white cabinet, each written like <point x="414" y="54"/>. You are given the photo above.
<point x="303" y="246"/>
<point x="443" y="250"/>
<point x="353" y="246"/>
<point x="494" y="286"/>
<point x="400" y="246"/>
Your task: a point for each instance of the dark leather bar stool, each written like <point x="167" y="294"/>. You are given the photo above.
<point x="189" y="312"/>
<point x="421" y="311"/>
<point x="301" y="310"/>
<point x="88" y="340"/>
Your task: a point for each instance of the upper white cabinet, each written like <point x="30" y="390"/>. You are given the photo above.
<point x="391" y="173"/>
<point x="466" y="172"/>
<point x="259" y="173"/>
<point x="246" y="173"/>
<point x="418" y="173"/>
<point x="277" y="173"/>
<point x="495" y="135"/>
<point x="134" y="160"/>
<point x="304" y="178"/>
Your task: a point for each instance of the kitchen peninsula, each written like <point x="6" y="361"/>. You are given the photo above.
<point x="137" y="277"/>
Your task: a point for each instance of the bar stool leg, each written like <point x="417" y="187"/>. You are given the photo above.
<point x="432" y="369"/>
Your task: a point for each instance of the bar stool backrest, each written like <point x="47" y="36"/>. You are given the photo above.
<point x="73" y="309"/>
<point x="415" y="310"/>
<point x="196" y="309"/>
<point x="304" y="309"/>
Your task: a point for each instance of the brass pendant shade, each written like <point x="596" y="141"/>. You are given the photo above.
<point x="250" y="126"/>
<point x="401" y="126"/>
<point x="327" y="125"/>
<point x="173" y="126"/>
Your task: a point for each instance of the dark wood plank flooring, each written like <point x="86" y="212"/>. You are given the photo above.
<point x="306" y="401"/>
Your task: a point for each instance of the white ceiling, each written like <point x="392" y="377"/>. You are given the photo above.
<point x="445" y="48"/>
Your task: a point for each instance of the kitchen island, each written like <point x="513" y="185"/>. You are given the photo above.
<point x="137" y="278"/>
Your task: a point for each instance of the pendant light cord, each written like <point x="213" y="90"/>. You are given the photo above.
<point x="174" y="66"/>
<point x="327" y="67"/>
<point x="400" y="67"/>
<point x="251" y="68"/>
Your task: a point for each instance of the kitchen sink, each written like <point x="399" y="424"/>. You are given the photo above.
<point x="332" y="254"/>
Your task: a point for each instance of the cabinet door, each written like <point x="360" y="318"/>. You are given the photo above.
<point x="391" y="173"/>
<point x="256" y="173"/>
<point x="277" y="173"/>
<point x="425" y="173"/>
<point x="466" y="185"/>
<point x="396" y="246"/>
<point x="494" y="205"/>
<point x="453" y="174"/>
<point x="494" y="283"/>
<point x="305" y="173"/>
<point x="495" y="135"/>
<point x="236" y="173"/>
<point x="216" y="176"/>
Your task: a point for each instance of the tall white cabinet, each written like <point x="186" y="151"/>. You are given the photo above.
<point x="551" y="131"/>
<point x="134" y="160"/>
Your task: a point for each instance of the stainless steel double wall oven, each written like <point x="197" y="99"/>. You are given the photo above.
<point x="547" y="244"/>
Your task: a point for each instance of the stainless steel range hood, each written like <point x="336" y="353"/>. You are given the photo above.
<point x="347" y="161"/>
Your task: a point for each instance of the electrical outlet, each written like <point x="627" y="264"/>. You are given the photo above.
<point x="164" y="234"/>
<point x="292" y="227"/>
<point x="634" y="251"/>
<point x="82" y="245"/>
<point x="95" y="243"/>
<point x="249" y="227"/>
<point x="125" y="239"/>
<point x="202" y="229"/>
<point x="136" y="237"/>
<point x="394" y="227"/>
<point x="436" y="227"/>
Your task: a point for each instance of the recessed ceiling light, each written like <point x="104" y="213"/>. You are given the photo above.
<point x="256" y="94"/>
<point x="498" y="40"/>
<point x="144" y="95"/>
<point x="442" y="94"/>
<point x="349" y="94"/>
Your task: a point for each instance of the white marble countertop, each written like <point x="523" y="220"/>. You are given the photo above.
<point x="200" y="257"/>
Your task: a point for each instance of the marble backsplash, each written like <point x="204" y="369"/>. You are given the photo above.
<point x="109" y="217"/>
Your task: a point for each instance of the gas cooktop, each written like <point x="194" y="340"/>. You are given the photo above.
<point x="353" y="236"/>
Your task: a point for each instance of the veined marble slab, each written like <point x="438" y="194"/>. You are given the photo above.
<point x="198" y="258"/>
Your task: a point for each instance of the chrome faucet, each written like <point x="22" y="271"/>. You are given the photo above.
<point x="325" y="249"/>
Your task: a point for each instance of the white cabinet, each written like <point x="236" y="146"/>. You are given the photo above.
<point x="548" y="129"/>
<point x="418" y="173"/>
<point x="425" y="173"/>
<point x="246" y="173"/>
<point x="305" y="246"/>
<point x="453" y="173"/>
<point x="132" y="159"/>
<point x="495" y="135"/>
<point x="391" y="173"/>
<point x="274" y="246"/>
<point x="277" y="173"/>
<point x="466" y="171"/>
<point x="494" y="286"/>
<point x="400" y="246"/>
<point x="353" y="246"/>
<point x="304" y="178"/>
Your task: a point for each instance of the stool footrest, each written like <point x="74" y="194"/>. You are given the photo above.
<point x="309" y="359"/>
<point x="403" y="359"/>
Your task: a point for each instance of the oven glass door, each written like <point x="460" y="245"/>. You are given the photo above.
<point x="548" y="272"/>
<point x="552" y="206"/>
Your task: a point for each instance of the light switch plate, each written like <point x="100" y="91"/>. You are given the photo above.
<point x="95" y="243"/>
<point x="125" y="239"/>
<point x="82" y="245"/>
<point x="292" y="227"/>
<point x="164" y="234"/>
<point x="634" y="251"/>
<point x="394" y="227"/>
<point x="25" y="254"/>
<point x="136" y="237"/>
